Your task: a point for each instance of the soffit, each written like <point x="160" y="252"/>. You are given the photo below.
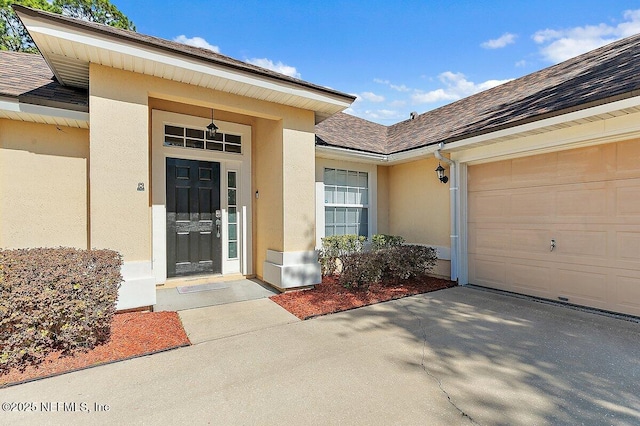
<point x="12" y="109"/>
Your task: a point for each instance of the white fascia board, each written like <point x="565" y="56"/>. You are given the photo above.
<point x="552" y="121"/>
<point x="335" y="153"/>
<point x="414" y="154"/>
<point x="150" y="54"/>
<point x="13" y="105"/>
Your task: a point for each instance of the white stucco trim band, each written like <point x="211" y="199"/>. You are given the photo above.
<point x="294" y="269"/>
<point x="138" y="288"/>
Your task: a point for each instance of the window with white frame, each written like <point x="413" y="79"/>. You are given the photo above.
<point x="346" y="202"/>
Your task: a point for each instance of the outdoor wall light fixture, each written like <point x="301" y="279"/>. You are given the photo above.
<point x="440" y="171"/>
<point x="212" y="129"/>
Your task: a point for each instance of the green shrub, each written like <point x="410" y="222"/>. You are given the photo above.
<point x="389" y="266"/>
<point x="55" y="299"/>
<point x="407" y="262"/>
<point x="383" y="241"/>
<point x="336" y="247"/>
<point x="360" y="269"/>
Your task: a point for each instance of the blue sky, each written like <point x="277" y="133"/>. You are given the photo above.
<point x="396" y="56"/>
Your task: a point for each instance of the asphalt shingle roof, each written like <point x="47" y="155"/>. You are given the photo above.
<point x="27" y="77"/>
<point x="603" y="75"/>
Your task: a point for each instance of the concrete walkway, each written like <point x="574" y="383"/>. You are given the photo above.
<point x="457" y="356"/>
<point x="215" y="293"/>
<point x="233" y="319"/>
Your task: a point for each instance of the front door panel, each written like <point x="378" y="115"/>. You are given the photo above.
<point x="193" y="236"/>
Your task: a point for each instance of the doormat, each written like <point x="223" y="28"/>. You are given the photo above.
<point x="198" y="288"/>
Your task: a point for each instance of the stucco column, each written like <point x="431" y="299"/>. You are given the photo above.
<point x="290" y="259"/>
<point x="118" y="177"/>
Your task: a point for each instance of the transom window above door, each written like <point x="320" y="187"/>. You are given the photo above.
<point x="185" y="137"/>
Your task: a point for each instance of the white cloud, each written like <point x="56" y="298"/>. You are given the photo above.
<point x="456" y="87"/>
<point x="275" y="66"/>
<point x="382" y="114"/>
<point x="196" y="42"/>
<point x="371" y="97"/>
<point x="560" y="45"/>
<point x="521" y="63"/>
<point x="500" y="42"/>
<point x="396" y="87"/>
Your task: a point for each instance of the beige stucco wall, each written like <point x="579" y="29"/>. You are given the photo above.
<point x="419" y="206"/>
<point x="282" y="150"/>
<point x="119" y="149"/>
<point x="299" y="181"/>
<point x="43" y="185"/>
<point x="267" y="180"/>
<point x="383" y="199"/>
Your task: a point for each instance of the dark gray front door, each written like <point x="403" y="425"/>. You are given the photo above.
<point x="193" y="236"/>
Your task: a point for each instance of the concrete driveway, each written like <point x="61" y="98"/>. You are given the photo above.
<point x="457" y="356"/>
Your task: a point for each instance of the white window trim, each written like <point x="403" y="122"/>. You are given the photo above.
<point x="240" y="163"/>
<point x="372" y="174"/>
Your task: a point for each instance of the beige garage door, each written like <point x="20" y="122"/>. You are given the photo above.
<point x="586" y="200"/>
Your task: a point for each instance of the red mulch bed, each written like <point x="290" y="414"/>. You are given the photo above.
<point x="133" y="334"/>
<point x="329" y="296"/>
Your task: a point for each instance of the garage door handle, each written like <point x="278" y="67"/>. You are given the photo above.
<point x="553" y="244"/>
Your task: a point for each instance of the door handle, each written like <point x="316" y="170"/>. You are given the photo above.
<point x="553" y="244"/>
<point x="218" y="222"/>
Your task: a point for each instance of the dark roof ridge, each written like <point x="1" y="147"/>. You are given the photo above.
<point x="531" y="97"/>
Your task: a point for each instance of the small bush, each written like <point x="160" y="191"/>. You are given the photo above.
<point x="55" y="299"/>
<point x="407" y="262"/>
<point x="336" y="247"/>
<point x="383" y="241"/>
<point x="360" y="269"/>
<point x="390" y="265"/>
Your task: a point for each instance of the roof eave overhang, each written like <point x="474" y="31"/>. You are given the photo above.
<point x="590" y="126"/>
<point x="13" y="109"/>
<point x="68" y="49"/>
<point x="460" y="147"/>
<point x="345" y="154"/>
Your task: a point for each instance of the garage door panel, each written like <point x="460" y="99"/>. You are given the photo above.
<point x="584" y="286"/>
<point x="486" y="206"/>
<point x="593" y="162"/>
<point x="539" y="203"/>
<point x="490" y="273"/>
<point x="628" y="157"/>
<point x="627" y="294"/>
<point x="491" y="239"/>
<point x="628" y="201"/>
<point x="529" y="171"/>
<point x="530" y="279"/>
<point x="488" y="176"/>
<point x="581" y="243"/>
<point x="531" y="241"/>
<point x="587" y="200"/>
<point x="582" y="200"/>
<point x="628" y="245"/>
